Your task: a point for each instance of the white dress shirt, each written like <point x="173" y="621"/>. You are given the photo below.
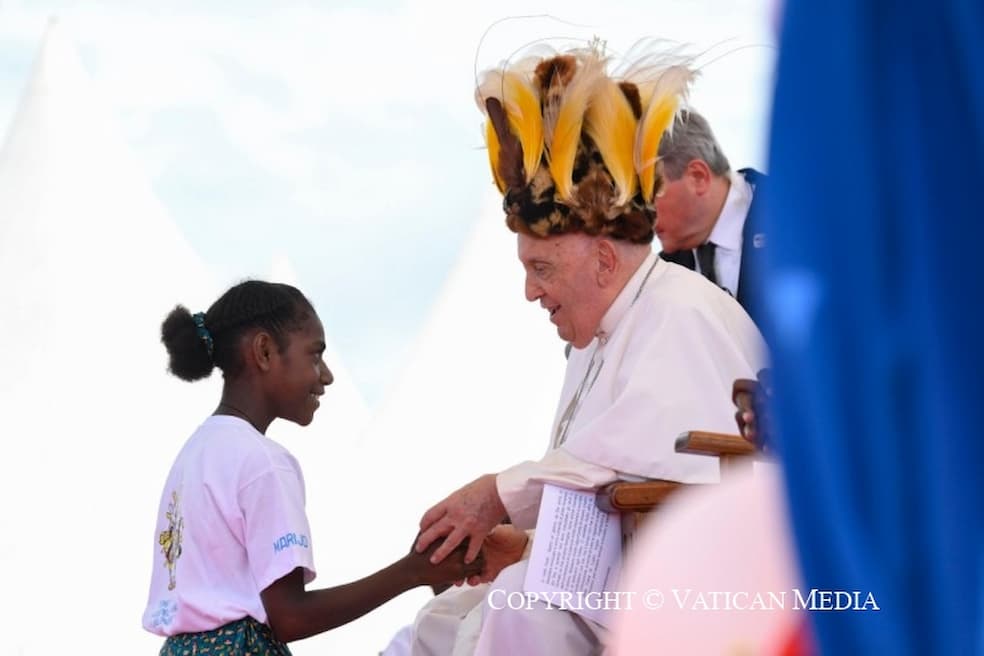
<point x="727" y="231"/>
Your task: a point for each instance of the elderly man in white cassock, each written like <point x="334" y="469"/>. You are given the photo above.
<point x="655" y="347"/>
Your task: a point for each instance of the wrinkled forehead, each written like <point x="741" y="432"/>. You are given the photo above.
<point x="553" y="249"/>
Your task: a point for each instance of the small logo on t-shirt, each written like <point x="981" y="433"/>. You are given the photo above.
<point x="289" y="540"/>
<point x="170" y="539"/>
<point x="165" y="613"/>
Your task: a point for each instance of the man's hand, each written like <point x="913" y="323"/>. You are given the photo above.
<point x="503" y="547"/>
<point x="743" y="394"/>
<point x="752" y="398"/>
<point x="471" y="512"/>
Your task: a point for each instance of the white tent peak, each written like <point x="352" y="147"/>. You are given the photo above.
<point x="478" y="394"/>
<point x="344" y="415"/>
<point x="57" y="67"/>
<point x="69" y="183"/>
<point x="461" y="370"/>
<point x="91" y="264"/>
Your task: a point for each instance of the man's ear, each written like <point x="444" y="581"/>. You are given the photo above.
<point x="699" y="174"/>
<point x="607" y="262"/>
<point x="262" y="348"/>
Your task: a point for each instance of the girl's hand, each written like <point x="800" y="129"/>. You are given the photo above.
<point x="451" y="569"/>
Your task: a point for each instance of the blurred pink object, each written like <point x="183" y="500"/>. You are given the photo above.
<point x="713" y="572"/>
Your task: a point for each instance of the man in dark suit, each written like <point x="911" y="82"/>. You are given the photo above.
<point x="706" y="216"/>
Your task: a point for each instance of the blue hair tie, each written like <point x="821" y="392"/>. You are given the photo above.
<point x="203" y="334"/>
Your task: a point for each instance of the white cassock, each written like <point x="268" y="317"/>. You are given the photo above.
<point x="663" y="362"/>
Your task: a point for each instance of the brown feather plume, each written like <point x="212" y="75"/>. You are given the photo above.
<point x="553" y="75"/>
<point x="631" y="92"/>
<point x="510" y="151"/>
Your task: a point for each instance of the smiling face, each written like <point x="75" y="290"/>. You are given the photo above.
<point x="562" y="273"/>
<point x="300" y="373"/>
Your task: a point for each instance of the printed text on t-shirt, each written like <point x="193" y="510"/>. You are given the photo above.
<point x="288" y="540"/>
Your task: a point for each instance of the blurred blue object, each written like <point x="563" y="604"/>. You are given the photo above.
<point x="875" y="283"/>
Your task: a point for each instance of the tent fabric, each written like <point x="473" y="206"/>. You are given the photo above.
<point x="91" y="263"/>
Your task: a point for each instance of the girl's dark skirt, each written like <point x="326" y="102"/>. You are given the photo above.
<point x="245" y="637"/>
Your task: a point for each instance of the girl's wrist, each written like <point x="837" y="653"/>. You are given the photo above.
<point x="407" y="574"/>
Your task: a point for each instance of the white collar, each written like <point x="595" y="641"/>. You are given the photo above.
<point x="627" y="296"/>
<point x="727" y="229"/>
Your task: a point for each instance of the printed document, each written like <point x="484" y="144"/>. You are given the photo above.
<point x="576" y="555"/>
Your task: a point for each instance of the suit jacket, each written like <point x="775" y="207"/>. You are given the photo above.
<point x="753" y="245"/>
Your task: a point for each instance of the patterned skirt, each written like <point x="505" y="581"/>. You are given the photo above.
<point x="245" y="637"/>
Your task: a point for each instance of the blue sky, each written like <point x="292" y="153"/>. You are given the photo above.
<point x="344" y="137"/>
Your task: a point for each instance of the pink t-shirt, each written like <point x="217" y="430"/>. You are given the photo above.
<point x="231" y="522"/>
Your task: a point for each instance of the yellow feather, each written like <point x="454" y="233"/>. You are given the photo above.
<point x="492" y="144"/>
<point x="657" y="116"/>
<point x="656" y="120"/>
<point x="566" y="133"/>
<point x="523" y="110"/>
<point x="611" y="124"/>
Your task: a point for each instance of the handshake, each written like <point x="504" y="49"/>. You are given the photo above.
<point x="450" y="570"/>
<point x="501" y="548"/>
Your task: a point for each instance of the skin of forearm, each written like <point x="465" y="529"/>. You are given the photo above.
<point x="310" y="612"/>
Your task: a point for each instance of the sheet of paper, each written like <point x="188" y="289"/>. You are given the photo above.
<point x="576" y="555"/>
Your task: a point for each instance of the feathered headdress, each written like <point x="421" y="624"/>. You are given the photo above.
<point x="573" y="148"/>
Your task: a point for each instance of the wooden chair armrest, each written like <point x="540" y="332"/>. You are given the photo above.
<point x="623" y="496"/>
<point x="714" y="444"/>
<point x="644" y="496"/>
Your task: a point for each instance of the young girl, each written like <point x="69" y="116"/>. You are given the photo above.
<point x="232" y="550"/>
